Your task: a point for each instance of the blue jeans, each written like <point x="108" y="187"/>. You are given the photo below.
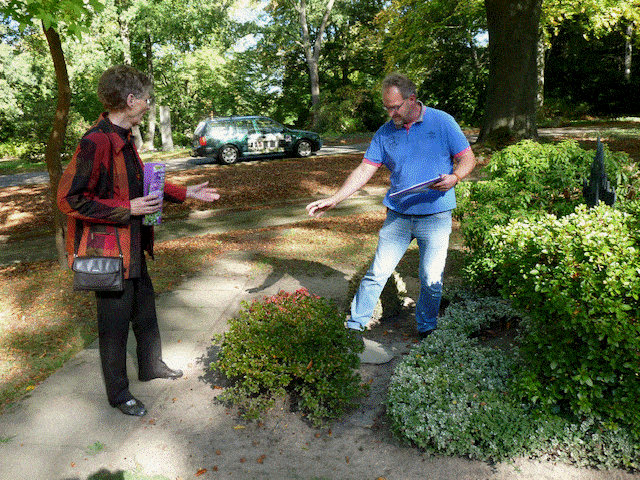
<point x="432" y="234"/>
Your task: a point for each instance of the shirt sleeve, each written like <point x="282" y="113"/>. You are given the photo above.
<point x="375" y="153"/>
<point x="79" y="188"/>
<point x="174" y="193"/>
<point x="458" y="142"/>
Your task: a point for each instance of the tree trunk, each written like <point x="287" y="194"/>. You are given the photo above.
<point x="541" y="65"/>
<point x="123" y="25"/>
<point x="312" y="53"/>
<point x="510" y="111"/>
<point x="628" y="52"/>
<point x="165" y="128"/>
<point x="56" y="138"/>
<point x="151" y="131"/>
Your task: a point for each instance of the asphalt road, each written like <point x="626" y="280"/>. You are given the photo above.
<point x="172" y="165"/>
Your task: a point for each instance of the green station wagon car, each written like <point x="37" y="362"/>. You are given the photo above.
<point x="230" y="138"/>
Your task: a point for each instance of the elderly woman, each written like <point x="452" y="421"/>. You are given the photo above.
<point x="101" y="192"/>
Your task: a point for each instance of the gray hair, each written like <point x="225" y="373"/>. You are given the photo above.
<point x="117" y="82"/>
<point x="401" y="82"/>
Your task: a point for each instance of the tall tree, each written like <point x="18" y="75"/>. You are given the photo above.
<point x="168" y="26"/>
<point x="510" y="111"/>
<point x="311" y="21"/>
<point x="439" y="44"/>
<point x="71" y="17"/>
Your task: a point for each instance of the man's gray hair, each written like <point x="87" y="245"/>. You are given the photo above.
<point x="401" y="82"/>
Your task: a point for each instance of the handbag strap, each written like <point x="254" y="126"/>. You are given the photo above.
<point x="111" y="163"/>
<point x="75" y="254"/>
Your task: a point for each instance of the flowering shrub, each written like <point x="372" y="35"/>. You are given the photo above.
<point x="291" y="343"/>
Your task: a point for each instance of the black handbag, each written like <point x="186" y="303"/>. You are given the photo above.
<point x="102" y="274"/>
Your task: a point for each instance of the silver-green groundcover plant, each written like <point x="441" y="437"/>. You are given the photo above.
<point x="452" y="396"/>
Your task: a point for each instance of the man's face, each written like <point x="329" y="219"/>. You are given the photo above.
<point x="399" y="109"/>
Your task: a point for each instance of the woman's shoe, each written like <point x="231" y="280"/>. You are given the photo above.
<point x="133" y="407"/>
<point x="162" y="372"/>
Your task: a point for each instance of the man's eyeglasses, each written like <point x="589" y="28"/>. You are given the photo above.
<point x="395" y="108"/>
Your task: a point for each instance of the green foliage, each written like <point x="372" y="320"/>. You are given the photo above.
<point x="452" y="396"/>
<point x="448" y="394"/>
<point x="436" y="44"/>
<point x="71" y="15"/>
<point x="337" y="111"/>
<point x="290" y="343"/>
<point x="587" y="68"/>
<point x="578" y="277"/>
<point x="529" y="180"/>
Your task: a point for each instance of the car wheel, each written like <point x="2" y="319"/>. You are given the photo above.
<point x="228" y="154"/>
<point x="304" y="148"/>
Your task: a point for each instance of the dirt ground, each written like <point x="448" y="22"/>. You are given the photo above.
<point x="284" y="445"/>
<point x="212" y="441"/>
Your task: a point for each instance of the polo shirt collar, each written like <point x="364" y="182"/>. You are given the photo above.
<point x="418" y="120"/>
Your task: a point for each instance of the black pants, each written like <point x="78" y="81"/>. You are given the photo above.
<point x="135" y="305"/>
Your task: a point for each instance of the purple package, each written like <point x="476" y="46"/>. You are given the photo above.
<point x="153" y="183"/>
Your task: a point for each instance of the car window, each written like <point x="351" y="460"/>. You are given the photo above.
<point x="266" y="125"/>
<point x="221" y="129"/>
<point x="244" y="127"/>
<point x="200" y="128"/>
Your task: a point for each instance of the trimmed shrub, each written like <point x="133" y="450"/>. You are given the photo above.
<point x="451" y="395"/>
<point x="527" y="181"/>
<point x="578" y="277"/>
<point x="290" y="344"/>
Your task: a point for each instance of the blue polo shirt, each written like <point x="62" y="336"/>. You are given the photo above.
<point x="417" y="154"/>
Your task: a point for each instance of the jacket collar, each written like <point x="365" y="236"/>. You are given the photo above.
<point x="105" y="126"/>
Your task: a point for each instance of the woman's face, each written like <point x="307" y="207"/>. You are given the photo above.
<point x="137" y="107"/>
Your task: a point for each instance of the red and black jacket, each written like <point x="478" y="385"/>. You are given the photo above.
<point x="94" y="194"/>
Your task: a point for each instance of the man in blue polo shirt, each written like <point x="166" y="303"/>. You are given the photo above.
<point x="418" y="145"/>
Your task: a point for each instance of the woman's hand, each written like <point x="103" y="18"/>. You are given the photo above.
<point x="202" y="192"/>
<point x="145" y="205"/>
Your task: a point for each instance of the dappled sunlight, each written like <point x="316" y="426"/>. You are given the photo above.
<point x="42" y="323"/>
<point x="24" y="209"/>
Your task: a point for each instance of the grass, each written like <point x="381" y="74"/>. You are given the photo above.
<point x="43" y="322"/>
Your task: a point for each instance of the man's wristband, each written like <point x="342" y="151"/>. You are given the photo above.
<point x="457" y="176"/>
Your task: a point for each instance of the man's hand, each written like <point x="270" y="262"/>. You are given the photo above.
<point x="202" y="192"/>
<point x="317" y="208"/>
<point x="445" y="183"/>
<point x="145" y="205"/>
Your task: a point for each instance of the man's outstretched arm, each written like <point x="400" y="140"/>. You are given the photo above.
<point x="354" y="182"/>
